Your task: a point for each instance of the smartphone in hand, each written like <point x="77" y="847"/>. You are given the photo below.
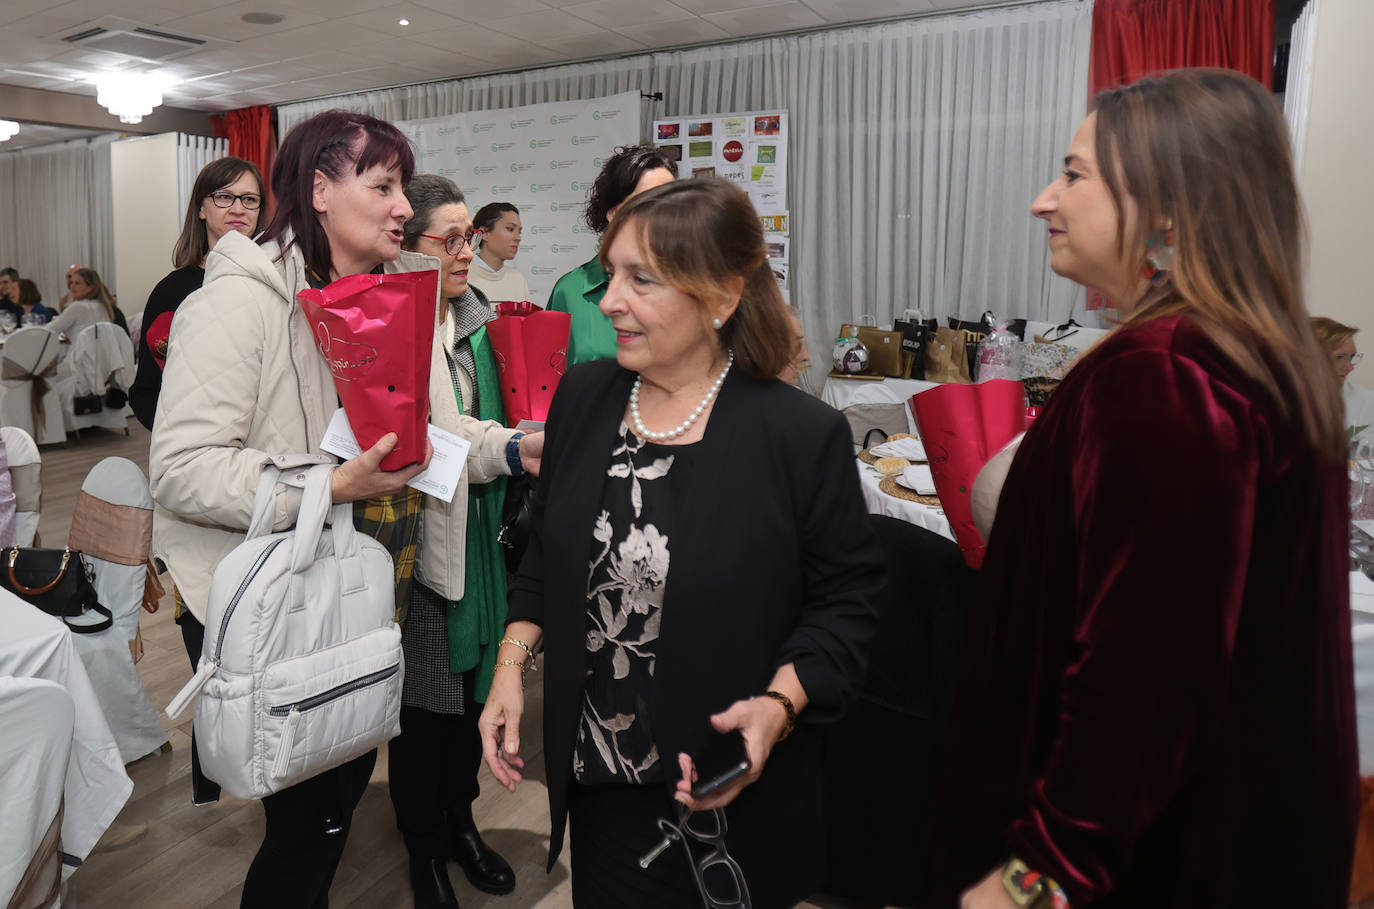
<point x="720" y="763"/>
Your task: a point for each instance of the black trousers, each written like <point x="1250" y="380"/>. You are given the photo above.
<point x="432" y="766"/>
<point x="307" y="824"/>
<point x="307" y="828"/>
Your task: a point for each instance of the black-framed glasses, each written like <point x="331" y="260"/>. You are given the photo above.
<point x="719" y="878"/>
<point x="225" y="199"/>
<point x="453" y="243"/>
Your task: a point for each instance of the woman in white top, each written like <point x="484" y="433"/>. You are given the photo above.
<point x="492" y="273"/>
<point x="91" y="303"/>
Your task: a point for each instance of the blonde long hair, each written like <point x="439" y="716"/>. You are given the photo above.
<point x="100" y="291"/>
<point x="1207" y="151"/>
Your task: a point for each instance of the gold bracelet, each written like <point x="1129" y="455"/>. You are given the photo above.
<point x="523" y="646"/>
<point x="519" y="664"/>
<point x="786" y="703"/>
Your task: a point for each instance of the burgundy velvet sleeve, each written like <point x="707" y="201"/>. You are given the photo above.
<point x="1164" y="477"/>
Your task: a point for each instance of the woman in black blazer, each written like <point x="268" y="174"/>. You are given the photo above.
<point x="691" y="580"/>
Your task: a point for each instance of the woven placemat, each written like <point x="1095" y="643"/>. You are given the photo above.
<point x="867" y="457"/>
<point x="890" y="486"/>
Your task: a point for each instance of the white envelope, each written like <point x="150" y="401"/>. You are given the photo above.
<point x="439" y="479"/>
<point x="918" y="479"/>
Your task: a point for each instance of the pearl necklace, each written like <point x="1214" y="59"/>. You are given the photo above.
<point x="645" y="433"/>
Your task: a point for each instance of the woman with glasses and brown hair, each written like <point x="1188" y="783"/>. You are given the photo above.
<point x="1156" y="705"/>
<point x="699" y="564"/>
<point x="456" y="603"/>
<point x="91" y="303"/>
<point x="1339" y="340"/>
<point x="227" y="195"/>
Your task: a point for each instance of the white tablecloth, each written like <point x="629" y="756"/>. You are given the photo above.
<point x="879" y="502"/>
<point x="36" y="645"/>
<point x="840" y="393"/>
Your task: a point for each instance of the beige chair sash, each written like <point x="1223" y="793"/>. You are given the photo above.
<point x="115" y="533"/>
<point x="27" y="483"/>
<point x="38" y="386"/>
<point x="43" y="877"/>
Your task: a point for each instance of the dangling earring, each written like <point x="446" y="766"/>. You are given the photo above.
<point x="717" y="324"/>
<point x="1159" y="255"/>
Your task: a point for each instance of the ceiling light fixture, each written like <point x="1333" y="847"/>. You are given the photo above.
<point x="403" y="22"/>
<point x="8" y="129"/>
<point x="129" y="96"/>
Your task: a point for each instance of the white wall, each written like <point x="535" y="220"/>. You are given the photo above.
<point x="146" y="215"/>
<point x="1337" y="178"/>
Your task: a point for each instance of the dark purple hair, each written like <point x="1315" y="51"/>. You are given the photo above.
<point x="330" y="142"/>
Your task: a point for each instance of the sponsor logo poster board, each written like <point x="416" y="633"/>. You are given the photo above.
<point x="746" y="148"/>
<point x="541" y="158"/>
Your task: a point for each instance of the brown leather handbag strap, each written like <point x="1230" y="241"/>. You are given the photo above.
<point x="34" y="591"/>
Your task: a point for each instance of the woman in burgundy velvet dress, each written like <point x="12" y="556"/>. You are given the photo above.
<point x="1156" y="706"/>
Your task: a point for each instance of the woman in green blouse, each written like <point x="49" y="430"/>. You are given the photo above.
<point x="630" y="171"/>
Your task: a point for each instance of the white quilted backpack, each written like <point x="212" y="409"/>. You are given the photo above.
<point x="302" y="667"/>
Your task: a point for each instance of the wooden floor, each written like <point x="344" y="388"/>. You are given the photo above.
<point x="164" y="853"/>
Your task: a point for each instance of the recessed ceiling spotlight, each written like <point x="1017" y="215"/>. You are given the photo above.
<point x="261" y="18"/>
<point x="403" y="22"/>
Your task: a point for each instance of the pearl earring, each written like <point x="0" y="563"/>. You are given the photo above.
<point x="717" y="324"/>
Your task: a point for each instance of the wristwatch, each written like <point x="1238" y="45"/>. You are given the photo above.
<point x="513" y="455"/>
<point x="1031" y="888"/>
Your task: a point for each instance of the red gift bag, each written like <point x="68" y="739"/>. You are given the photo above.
<point x="531" y="348"/>
<point x="962" y="426"/>
<point x="376" y="331"/>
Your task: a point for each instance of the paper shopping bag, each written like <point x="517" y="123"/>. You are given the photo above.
<point x="961" y="427"/>
<point x="375" y="331"/>
<point x="531" y="348"/>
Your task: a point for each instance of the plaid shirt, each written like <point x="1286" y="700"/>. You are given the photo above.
<point x="394" y="521"/>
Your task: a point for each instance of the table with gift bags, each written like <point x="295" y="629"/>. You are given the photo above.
<point x="879" y="374"/>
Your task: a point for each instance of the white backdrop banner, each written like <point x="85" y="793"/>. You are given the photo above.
<point x="542" y="159"/>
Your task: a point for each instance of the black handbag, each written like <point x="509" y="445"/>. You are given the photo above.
<point x="116" y="397"/>
<point x="514" y="534"/>
<point x="86" y="404"/>
<point x="58" y="581"/>
<point x="916" y="334"/>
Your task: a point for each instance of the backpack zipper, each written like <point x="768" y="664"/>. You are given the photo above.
<point x="207" y="668"/>
<point x="293" y="712"/>
<point x="238" y="595"/>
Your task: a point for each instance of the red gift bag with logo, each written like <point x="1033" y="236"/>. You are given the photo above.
<point x="375" y="331"/>
<point x="531" y="347"/>
<point x="961" y="427"/>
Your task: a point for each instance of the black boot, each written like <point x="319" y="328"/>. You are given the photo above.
<point x="485" y="870"/>
<point x="429" y="880"/>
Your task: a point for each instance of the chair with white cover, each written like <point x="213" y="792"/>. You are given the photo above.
<point x="102" y="358"/>
<point x="34" y="754"/>
<point x="112" y="525"/>
<point x="28" y="376"/>
<point x="26" y="479"/>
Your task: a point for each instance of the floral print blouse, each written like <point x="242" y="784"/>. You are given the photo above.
<point x="626" y="577"/>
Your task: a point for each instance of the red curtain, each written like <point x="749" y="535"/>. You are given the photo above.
<point x="1132" y="38"/>
<point x="251" y="137"/>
